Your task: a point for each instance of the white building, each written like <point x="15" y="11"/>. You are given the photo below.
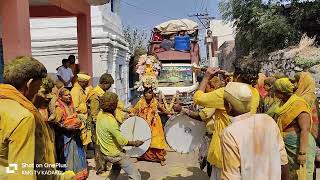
<point x="224" y="31"/>
<point x="56" y="38"/>
<point x="225" y="35"/>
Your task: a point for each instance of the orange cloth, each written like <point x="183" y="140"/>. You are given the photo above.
<point x="260" y="86"/>
<point x="149" y="112"/>
<point x="154" y="155"/>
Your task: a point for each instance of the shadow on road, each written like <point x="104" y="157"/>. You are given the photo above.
<point x="144" y="176"/>
<point x="196" y="175"/>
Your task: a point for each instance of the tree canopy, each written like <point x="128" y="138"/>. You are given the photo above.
<point x="262" y="27"/>
<point x="135" y="38"/>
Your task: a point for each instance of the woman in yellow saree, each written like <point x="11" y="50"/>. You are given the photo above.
<point x="306" y="88"/>
<point x="147" y="108"/>
<point x="294" y="120"/>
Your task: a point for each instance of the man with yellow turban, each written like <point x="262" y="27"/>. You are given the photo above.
<point x="252" y="146"/>
<point x="294" y="120"/>
<point x="79" y="99"/>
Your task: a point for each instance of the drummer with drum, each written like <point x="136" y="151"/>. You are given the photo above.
<point x="111" y="139"/>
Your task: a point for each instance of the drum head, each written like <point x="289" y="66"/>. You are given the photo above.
<point x="136" y="128"/>
<point x="184" y="134"/>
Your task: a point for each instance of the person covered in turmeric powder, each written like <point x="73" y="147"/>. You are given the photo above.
<point x="147" y="108"/>
<point x="294" y="120"/>
<point x="206" y="115"/>
<point x="42" y="101"/>
<point x="24" y="134"/>
<point x="246" y="71"/>
<point x="79" y="99"/>
<point x="105" y="83"/>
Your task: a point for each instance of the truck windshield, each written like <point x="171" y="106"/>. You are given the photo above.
<point x="175" y="76"/>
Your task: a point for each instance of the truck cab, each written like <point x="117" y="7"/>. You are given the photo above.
<point x="176" y="74"/>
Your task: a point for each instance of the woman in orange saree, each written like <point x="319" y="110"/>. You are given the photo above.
<point x="147" y="108"/>
<point x="70" y="150"/>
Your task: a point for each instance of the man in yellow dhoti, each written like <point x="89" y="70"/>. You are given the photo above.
<point x="79" y="99"/>
<point x="246" y="72"/>
<point x="24" y="137"/>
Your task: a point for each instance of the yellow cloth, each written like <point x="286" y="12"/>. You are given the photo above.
<point x="79" y="99"/>
<point x="93" y="98"/>
<point x="120" y="113"/>
<point x="149" y="112"/>
<point x="207" y="115"/>
<point x="284" y="85"/>
<point x="25" y="134"/>
<point x="290" y="111"/>
<point x="306" y="88"/>
<point x="108" y="134"/>
<point x="83" y="77"/>
<point x="88" y="90"/>
<point x="18" y="127"/>
<point x="215" y="99"/>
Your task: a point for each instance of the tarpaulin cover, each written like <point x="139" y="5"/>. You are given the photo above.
<point x="177" y="25"/>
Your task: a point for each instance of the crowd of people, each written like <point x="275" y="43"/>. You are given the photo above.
<point x="52" y="125"/>
<point x="258" y="127"/>
<point x="263" y="127"/>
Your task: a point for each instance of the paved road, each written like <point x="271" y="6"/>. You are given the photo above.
<point x="179" y="167"/>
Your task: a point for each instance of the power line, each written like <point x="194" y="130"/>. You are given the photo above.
<point x="203" y="18"/>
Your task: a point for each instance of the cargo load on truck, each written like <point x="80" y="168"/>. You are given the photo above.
<point x="175" y="44"/>
<point x="175" y="40"/>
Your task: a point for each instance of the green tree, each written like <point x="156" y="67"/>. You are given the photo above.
<point x="263" y="27"/>
<point x="136" y="38"/>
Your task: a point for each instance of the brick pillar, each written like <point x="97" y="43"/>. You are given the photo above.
<point x="85" y="42"/>
<point x="16" y="36"/>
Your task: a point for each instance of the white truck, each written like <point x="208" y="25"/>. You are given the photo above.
<point x="176" y="73"/>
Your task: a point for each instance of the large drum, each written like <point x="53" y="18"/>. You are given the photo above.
<point x="183" y="133"/>
<point x="136" y="128"/>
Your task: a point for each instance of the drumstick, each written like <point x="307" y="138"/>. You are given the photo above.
<point x="134" y="126"/>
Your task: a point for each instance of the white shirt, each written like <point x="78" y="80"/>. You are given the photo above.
<point x="252" y="149"/>
<point x="66" y="74"/>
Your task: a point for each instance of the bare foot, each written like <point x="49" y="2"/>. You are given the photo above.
<point x="134" y="160"/>
<point x="163" y="163"/>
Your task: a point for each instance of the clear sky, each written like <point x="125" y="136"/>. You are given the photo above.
<point x="145" y="14"/>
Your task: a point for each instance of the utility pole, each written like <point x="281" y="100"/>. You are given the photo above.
<point x="204" y="19"/>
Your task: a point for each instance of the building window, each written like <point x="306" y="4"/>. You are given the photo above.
<point x="112" y="5"/>
<point x="120" y="72"/>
